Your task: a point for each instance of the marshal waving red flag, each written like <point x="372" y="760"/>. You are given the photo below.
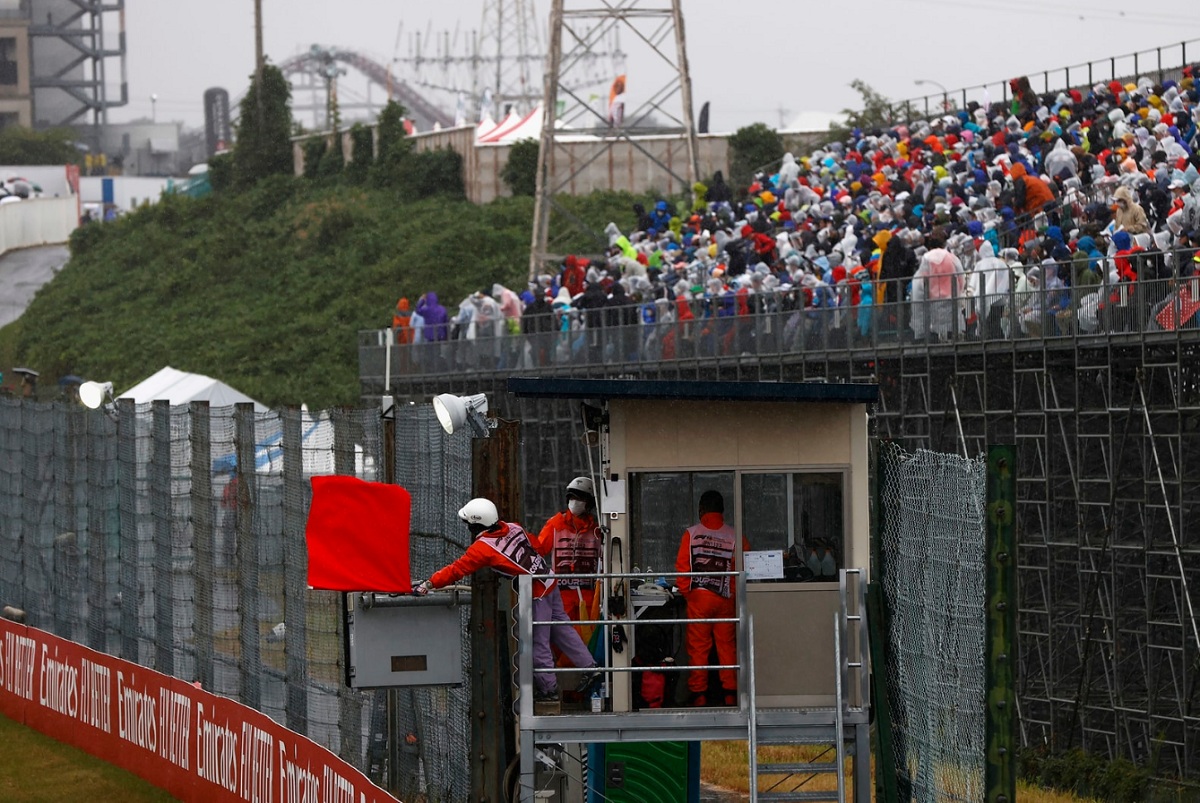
<point x="357" y="535"/>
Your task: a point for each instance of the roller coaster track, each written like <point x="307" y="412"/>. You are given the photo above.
<point x="377" y="74"/>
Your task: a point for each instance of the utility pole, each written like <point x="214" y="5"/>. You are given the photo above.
<point x="258" y="60"/>
<point x="495" y="476"/>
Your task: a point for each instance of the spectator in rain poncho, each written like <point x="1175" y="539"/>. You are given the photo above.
<point x="1029" y="300"/>
<point x="937" y="295"/>
<point x="435" y="317"/>
<point x="992" y="283"/>
<point x="1127" y="213"/>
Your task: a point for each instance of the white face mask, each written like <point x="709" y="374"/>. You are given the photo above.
<point x="577" y="506"/>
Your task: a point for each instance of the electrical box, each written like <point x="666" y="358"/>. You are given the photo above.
<point x="397" y="640"/>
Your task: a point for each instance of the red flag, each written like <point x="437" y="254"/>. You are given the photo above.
<point x="357" y="535"/>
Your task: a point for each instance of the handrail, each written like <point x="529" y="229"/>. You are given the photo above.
<point x="785" y="327"/>
<point x="526" y="623"/>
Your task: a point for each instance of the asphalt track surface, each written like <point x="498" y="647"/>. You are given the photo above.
<point x="22" y="273"/>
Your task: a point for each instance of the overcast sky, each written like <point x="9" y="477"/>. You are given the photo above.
<point x="754" y="60"/>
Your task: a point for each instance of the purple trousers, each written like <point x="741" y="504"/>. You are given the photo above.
<point x="550" y="609"/>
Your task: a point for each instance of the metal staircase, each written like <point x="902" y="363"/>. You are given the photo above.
<point x="849" y="735"/>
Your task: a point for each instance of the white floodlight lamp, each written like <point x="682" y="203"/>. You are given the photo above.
<point x="455" y="411"/>
<point x="93" y="394"/>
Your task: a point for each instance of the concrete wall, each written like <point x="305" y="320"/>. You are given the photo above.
<point x="38" y="221"/>
<point x="584" y="165"/>
<point x="624" y="166"/>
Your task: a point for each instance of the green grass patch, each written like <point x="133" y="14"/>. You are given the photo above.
<point x="37" y="769"/>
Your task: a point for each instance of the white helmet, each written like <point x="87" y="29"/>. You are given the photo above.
<point x="582" y="485"/>
<point x="479" y="511"/>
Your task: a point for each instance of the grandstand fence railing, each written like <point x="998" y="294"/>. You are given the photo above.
<point x="1159" y="63"/>
<point x="925" y="310"/>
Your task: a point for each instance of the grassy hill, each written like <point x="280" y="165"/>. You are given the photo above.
<point x="267" y="289"/>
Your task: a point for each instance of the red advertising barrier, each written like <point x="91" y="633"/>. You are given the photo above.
<point x="193" y="744"/>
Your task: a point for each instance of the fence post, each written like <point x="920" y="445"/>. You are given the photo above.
<point x="349" y="700"/>
<point x="1000" y="775"/>
<point x="202" y="541"/>
<point x="127" y="489"/>
<point x="164" y="563"/>
<point x="295" y="601"/>
<point x="496" y="476"/>
<point x="246" y="564"/>
<point x="100" y="468"/>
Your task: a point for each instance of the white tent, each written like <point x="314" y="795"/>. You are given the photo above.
<point x="180" y="387"/>
<point x="486" y="126"/>
<point x="513" y="126"/>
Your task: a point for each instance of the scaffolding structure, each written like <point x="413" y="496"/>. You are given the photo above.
<point x="72" y="51"/>
<point x="577" y="28"/>
<point x="1107" y="430"/>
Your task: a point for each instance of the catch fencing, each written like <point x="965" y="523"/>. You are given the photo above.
<point x="932" y="563"/>
<point x="173" y="537"/>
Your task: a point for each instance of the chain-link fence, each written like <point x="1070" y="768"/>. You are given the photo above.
<point x="932" y="563"/>
<point x="174" y="537"/>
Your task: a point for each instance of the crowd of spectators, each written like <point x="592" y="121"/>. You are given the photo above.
<point x="1068" y="213"/>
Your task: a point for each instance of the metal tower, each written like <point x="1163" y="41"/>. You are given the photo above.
<point x="509" y="56"/>
<point x="506" y="61"/>
<point x="657" y="25"/>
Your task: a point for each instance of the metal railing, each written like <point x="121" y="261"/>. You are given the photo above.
<point x="1162" y="63"/>
<point x="526" y="624"/>
<point x="899" y="314"/>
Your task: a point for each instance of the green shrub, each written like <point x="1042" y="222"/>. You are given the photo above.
<point x="314" y="153"/>
<point x="520" y="171"/>
<point x="220" y="172"/>
<point x="393" y="147"/>
<point x="752" y="148"/>
<point x="429" y="173"/>
<point x="85" y="238"/>
<point x="362" y="154"/>
<point x="1085" y="774"/>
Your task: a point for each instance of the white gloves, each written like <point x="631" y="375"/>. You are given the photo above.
<point x="423" y="588"/>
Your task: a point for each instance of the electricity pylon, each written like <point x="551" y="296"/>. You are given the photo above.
<point x="663" y="91"/>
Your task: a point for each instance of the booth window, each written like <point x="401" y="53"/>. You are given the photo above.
<point x="663" y="505"/>
<point x="800" y="513"/>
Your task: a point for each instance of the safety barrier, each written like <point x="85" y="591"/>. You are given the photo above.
<point x="190" y="742"/>
<point x="37" y="221"/>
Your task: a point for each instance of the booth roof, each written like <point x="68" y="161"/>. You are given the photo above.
<point x="537" y="388"/>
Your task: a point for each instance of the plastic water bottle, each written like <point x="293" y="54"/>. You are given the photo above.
<point x="597" y="701"/>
